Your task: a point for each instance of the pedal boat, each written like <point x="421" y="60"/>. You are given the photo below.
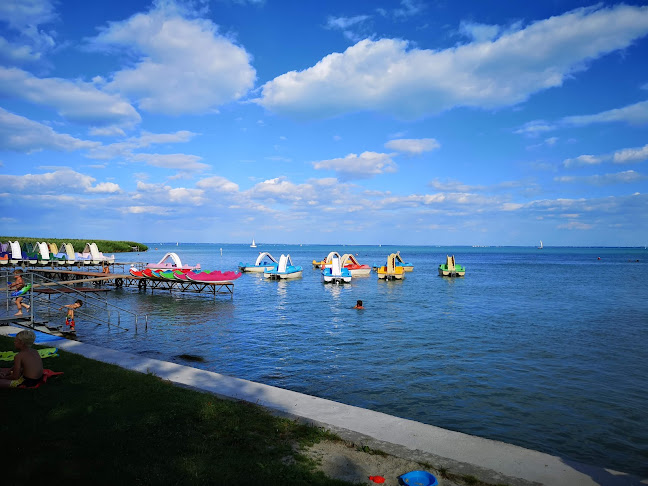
<point x="265" y="261"/>
<point x="335" y="273"/>
<point x="391" y="271"/>
<point x="451" y="269"/>
<point x="350" y="262"/>
<point x="285" y="270"/>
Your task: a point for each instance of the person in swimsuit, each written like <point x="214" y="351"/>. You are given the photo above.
<point x="359" y="305"/>
<point x="27" y="366"/>
<point x="69" y="318"/>
<point x="18" y="284"/>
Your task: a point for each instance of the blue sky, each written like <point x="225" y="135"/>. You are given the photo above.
<point x="365" y="122"/>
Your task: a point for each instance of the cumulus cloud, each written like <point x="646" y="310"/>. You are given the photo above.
<point x="20" y="134"/>
<point x="64" y="180"/>
<point x="626" y="177"/>
<point x="363" y="166"/>
<point x="20" y="13"/>
<point x="105" y="188"/>
<point x="217" y="184"/>
<point x="389" y="76"/>
<point x="76" y="101"/>
<point x="413" y="146"/>
<point x="163" y="194"/>
<point x="23" y="19"/>
<point x="184" y="65"/>
<point x="629" y="155"/>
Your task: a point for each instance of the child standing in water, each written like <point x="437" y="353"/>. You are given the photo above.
<point x="27" y="367"/>
<point x="69" y="318"/>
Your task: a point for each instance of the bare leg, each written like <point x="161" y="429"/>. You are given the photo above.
<point x="19" y="305"/>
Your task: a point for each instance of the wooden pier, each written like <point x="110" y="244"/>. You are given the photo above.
<point x="119" y="280"/>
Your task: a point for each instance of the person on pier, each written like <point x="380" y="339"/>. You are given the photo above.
<point x="17" y="285"/>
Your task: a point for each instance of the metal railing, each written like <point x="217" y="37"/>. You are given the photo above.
<point x="58" y="289"/>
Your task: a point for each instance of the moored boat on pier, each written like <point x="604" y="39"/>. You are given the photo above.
<point x="171" y="261"/>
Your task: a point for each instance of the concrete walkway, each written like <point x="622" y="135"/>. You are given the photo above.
<point x="490" y="461"/>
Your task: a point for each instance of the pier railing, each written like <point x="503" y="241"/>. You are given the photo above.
<point x="40" y="295"/>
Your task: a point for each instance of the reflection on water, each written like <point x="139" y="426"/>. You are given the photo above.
<point x="541" y="361"/>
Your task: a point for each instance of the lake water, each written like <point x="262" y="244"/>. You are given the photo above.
<point x="546" y="349"/>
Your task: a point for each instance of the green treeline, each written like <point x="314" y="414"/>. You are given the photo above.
<point x="105" y="246"/>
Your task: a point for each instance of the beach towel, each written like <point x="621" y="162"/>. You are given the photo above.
<point x="44" y="353"/>
<point x="46" y="375"/>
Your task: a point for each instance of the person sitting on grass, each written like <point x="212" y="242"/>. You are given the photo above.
<point x="27" y="366"/>
<point x="18" y="284"/>
<point x="69" y="318"/>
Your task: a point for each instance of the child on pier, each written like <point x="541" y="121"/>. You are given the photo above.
<point x="69" y="318"/>
<point x="18" y="284"/>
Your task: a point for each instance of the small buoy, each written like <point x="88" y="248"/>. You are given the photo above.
<point x="598" y="258"/>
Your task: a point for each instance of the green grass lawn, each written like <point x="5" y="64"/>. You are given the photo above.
<point x="101" y="424"/>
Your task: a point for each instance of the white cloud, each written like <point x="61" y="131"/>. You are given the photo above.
<point x="343" y="23"/>
<point x="353" y="28"/>
<point x="172" y="161"/>
<point x="60" y="181"/>
<point x="413" y="146"/>
<point x="409" y="8"/>
<point x="479" y="32"/>
<point x="389" y="76"/>
<point x="631" y="155"/>
<point x="626" y="177"/>
<point x="635" y="114"/>
<point x="22" y="13"/>
<point x="77" y="101"/>
<point x="217" y="184"/>
<point x="353" y="166"/>
<point x="126" y="147"/>
<point x="583" y="160"/>
<point x="184" y="65"/>
<point x="105" y="188"/>
<point x="13" y="53"/>
<point x="159" y="210"/>
<point x="159" y="194"/>
<point x="535" y="128"/>
<point x="20" y="134"/>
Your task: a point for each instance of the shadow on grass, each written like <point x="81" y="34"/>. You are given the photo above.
<point x="101" y="424"/>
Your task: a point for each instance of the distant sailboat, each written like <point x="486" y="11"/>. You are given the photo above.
<point x="253" y="245"/>
<point x="540" y="247"/>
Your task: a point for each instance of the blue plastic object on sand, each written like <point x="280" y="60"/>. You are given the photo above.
<point x="418" y="478"/>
